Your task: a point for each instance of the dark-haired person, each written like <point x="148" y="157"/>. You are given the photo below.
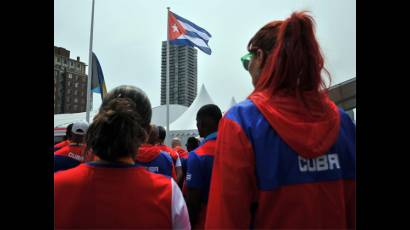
<point x="285" y="157"/>
<point x="199" y="166"/>
<point x="71" y="155"/>
<point x="66" y="140"/>
<point x="113" y="192"/>
<point x="153" y="158"/>
<point x="174" y="155"/>
<point x="192" y="143"/>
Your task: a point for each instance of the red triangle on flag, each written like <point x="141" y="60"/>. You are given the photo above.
<point x="175" y="29"/>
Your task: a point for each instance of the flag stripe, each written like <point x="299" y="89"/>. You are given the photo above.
<point x="192" y="25"/>
<point x="189" y="28"/>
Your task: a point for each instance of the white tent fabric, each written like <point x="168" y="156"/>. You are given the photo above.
<point x="63" y="120"/>
<point x="159" y="114"/>
<point x="187" y="121"/>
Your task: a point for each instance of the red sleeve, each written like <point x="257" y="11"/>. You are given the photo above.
<point x="233" y="184"/>
<point x="63" y="151"/>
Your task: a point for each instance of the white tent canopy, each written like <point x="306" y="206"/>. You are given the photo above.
<point x="187" y="121"/>
<point x="159" y="114"/>
<point x="63" y="120"/>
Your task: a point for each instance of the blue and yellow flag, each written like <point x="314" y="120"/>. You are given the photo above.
<point x="97" y="78"/>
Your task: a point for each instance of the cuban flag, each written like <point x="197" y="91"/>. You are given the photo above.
<point x="184" y="32"/>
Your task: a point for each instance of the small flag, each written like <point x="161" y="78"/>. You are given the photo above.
<point x="184" y="32"/>
<point x="97" y="79"/>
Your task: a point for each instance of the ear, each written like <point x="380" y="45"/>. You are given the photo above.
<point x="260" y="55"/>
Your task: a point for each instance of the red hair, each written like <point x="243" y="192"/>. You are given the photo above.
<point x="293" y="62"/>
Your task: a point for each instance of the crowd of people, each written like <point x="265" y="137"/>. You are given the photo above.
<point x="282" y="158"/>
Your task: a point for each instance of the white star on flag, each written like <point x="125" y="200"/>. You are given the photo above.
<point x="175" y="28"/>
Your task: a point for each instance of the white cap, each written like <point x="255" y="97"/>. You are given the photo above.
<point x="80" y="128"/>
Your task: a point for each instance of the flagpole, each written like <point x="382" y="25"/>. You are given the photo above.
<point x="90" y="61"/>
<point x="167" y="80"/>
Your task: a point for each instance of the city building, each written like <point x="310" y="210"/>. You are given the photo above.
<point x="182" y="74"/>
<point x="70" y="83"/>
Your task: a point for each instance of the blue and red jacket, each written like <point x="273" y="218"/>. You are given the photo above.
<point x="199" y="171"/>
<point x="169" y="150"/>
<point x="117" y="196"/>
<point x="155" y="160"/>
<point x="280" y="165"/>
<point x="69" y="156"/>
<point x="61" y="144"/>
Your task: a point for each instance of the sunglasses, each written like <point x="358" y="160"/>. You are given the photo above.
<point x="246" y="59"/>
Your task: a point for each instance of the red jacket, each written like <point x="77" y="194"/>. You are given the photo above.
<point x="279" y="165"/>
<point x="117" y="196"/>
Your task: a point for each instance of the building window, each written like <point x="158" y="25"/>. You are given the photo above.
<point x="75" y="100"/>
<point x="70" y="76"/>
<point x="68" y="83"/>
<point x="78" y="65"/>
<point x="65" y="61"/>
<point x="76" y="92"/>
<point x="76" y="84"/>
<point x="58" y="60"/>
<point x="71" y="63"/>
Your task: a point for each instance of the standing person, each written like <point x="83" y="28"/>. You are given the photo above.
<point x="200" y="163"/>
<point x="192" y="143"/>
<point x="153" y="158"/>
<point x="71" y="155"/>
<point x="66" y="140"/>
<point x="174" y="155"/>
<point x="183" y="156"/>
<point x="114" y="192"/>
<point x="285" y="157"/>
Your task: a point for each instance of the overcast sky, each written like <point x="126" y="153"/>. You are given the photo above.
<point x="128" y="36"/>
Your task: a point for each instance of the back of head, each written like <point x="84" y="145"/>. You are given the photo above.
<point x="137" y="95"/>
<point x="192" y="143"/>
<point x="153" y="135"/>
<point x="68" y="131"/>
<point x="176" y="142"/>
<point x="208" y="117"/>
<point x="121" y="124"/>
<point x="293" y="62"/>
<point x="161" y="134"/>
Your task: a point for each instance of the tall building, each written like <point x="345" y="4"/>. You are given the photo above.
<point x="70" y="83"/>
<point x="182" y="74"/>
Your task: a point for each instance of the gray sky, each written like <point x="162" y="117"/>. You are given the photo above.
<point x="128" y="35"/>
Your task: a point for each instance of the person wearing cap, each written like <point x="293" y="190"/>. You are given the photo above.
<point x="72" y="155"/>
<point x="66" y="140"/>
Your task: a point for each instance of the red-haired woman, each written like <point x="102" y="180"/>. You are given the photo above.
<point x="285" y="157"/>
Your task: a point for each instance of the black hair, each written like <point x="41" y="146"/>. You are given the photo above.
<point x="121" y="124"/>
<point x="137" y="95"/>
<point x="192" y="143"/>
<point x="68" y="132"/>
<point x="210" y="111"/>
<point x="161" y="133"/>
<point x="153" y="135"/>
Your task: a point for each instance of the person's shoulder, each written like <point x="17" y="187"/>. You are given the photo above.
<point x="158" y="179"/>
<point x="243" y="111"/>
<point x="62" y="151"/>
<point x="165" y="155"/>
<point x="72" y="175"/>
